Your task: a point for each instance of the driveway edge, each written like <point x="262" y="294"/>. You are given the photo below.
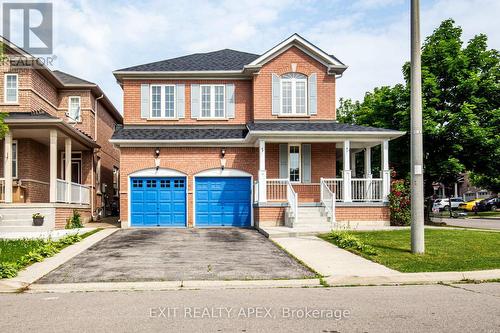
<point x="170" y="285"/>
<point x="34" y="272"/>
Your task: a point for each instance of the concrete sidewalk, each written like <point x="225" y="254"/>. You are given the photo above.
<point x="329" y="260"/>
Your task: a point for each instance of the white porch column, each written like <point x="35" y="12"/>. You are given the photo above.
<point x="346" y="174"/>
<point x="7" y="167"/>
<point x="385" y="173"/>
<point x="353" y="164"/>
<point x="262" y="172"/>
<point x="67" y="168"/>
<point x="53" y="165"/>
<point x="368" y="172"/>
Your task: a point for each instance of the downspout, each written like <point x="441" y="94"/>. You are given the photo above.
<point x="92" y="194"/>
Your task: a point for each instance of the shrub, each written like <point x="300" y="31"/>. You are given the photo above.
<point x="399" y="203"/>
<point x="346" y="240"/>
<point x="75" y="221"/>
<point x="8" y="270"/>
<point x="37" y="216"/>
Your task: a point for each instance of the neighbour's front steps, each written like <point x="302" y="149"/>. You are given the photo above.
<point x="18" y="217"/>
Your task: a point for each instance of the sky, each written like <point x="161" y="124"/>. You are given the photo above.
<point x="93" y="38"/>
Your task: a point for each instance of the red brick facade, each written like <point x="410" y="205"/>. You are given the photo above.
<point x="253" y="101"/>
<point x="41" y="91"/>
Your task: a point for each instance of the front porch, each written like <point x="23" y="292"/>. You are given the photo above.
<point x="36" y="176"/>
<point x="331" y="181"/>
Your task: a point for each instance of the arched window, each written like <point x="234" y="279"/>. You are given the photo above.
<point x="293" y="94"/>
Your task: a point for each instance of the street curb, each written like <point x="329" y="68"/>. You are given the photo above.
<point x="414" y="278"/>
<point x="170" y="285"/>
<point x="36" y="271"/>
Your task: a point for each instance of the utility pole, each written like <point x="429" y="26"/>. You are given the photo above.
<point x="417" y="169"/>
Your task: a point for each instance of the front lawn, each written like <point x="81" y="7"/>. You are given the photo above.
<point x="16" y="254"/>
<point x="445" y="250"/>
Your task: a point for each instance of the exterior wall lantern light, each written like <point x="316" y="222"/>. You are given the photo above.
<point x="223" y="159"/>
<point x="157" y="158"/>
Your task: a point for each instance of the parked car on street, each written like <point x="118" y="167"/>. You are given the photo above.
<point x="488" y="204"/>
<point x="469" y="205"/>
<point x="444" y="203"/>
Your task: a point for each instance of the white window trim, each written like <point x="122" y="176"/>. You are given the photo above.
<point x="73" y="159"/>
<point x="79" y="119"/>
<point x="162" y="102"/>
<point x="212" y="101"/>
<point x="300" y="161"/>
<point x="5" y="88"/>
<point x="14" y="142"/>
<point x="294" y="97"/>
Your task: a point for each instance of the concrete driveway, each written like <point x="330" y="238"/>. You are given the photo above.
<point x="179" y="254"/>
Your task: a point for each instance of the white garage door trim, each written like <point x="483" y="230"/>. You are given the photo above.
<point x="226" y="173"/>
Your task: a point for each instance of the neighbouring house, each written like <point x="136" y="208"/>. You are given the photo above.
<point x="56" y="155"/>
<point x="230" y="138"/>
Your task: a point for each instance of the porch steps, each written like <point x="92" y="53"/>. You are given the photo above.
<point x="311" y="216"/>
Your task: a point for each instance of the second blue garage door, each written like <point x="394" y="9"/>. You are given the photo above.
<point x="223" y="201"/>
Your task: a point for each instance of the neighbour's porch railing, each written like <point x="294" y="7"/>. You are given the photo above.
<point x="79" y="193"/>
<point x="328" y="200"/>
<point x="366" y="189"/>
<point x="2" y="190"/>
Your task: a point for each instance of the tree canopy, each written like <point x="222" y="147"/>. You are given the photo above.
<point x="461" y="110"/>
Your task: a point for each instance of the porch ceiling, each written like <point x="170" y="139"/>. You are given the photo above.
<point x="42" y="135"/>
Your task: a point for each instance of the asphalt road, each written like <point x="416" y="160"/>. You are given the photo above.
<point x="493" y="224"/>
<point x="432" y="308"/>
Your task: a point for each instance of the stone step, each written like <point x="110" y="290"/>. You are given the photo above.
<point x="7" y="229"/>
<point x="16" y="222"/>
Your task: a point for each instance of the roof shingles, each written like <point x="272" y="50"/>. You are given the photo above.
<point x="176" y="133"/>
<point x="222" y="60"/>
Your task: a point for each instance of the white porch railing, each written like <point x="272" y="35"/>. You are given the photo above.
<point x="61" y="188"/>
<point x="366" y="189"/>
<point x="282" y="190"/>
<point x="2" y="189"/>
<point x="335" y="185"/>
<point x="277" y="189"/>
<point x="79" y="193"/>
<point x="328" y="200"/>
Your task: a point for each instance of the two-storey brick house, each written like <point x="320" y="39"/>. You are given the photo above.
<point x="229" y="138"/>
<point x="52" y="115"/>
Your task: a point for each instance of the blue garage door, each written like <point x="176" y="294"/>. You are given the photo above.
<point x="223" y="202"/>
<point x="158" y="202"/>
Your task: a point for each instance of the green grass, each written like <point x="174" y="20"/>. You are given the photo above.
<point x="19" y="253"/>
<point x="446" y="250"/>
<point x="12" y="250"/>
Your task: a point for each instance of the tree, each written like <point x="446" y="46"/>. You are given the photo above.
<point x="461" y="110"/>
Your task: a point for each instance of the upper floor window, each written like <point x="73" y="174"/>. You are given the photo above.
<point x="212" y="101"/>
<point x="162" y="101"/>
<point x="11" y="88"/>
<point x="74" y="108"/>
<point x="293" y="94"/>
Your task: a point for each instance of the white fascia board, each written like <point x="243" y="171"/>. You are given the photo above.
<point x="324" y="135"/>
<point x="179" y="143"/>
<point x="294" y="39"/>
